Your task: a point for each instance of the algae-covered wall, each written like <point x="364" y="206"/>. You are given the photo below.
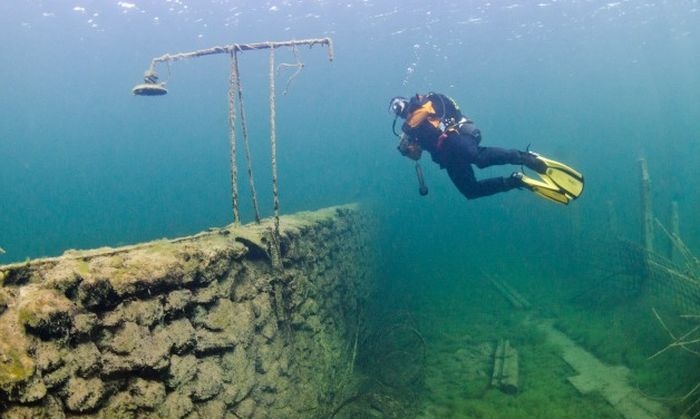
<point x="228" y="323"/>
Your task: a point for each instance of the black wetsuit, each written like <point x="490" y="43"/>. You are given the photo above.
<point x="457" y="147"/>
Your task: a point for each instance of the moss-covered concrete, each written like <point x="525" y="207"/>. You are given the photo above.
<point x="233" y="322"/>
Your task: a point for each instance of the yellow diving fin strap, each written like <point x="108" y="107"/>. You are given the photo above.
<point x="546" y="189"/>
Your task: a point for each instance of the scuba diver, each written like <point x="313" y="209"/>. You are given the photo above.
<point x="434" y="122"/>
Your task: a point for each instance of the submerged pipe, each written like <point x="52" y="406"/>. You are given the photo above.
<point x="151" y="86"/>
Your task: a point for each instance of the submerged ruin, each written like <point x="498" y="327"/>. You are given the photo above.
<point x="232" y="322"/>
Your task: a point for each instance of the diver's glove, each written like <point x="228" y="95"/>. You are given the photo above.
<point x="410" y="148"/>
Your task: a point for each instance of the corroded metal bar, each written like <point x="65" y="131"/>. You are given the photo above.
<point x="233" y="48"/>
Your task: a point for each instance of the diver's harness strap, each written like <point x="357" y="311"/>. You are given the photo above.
<point x="451" y="125"/>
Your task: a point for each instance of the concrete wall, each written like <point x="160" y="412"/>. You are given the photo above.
<point x="227" y="323"/>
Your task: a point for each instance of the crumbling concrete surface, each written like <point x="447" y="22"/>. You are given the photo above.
<point x="233" y="322"/>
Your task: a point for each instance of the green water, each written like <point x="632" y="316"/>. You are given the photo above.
<point x="595" y="84"/>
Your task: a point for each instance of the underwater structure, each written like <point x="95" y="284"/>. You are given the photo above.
<point x="258" y="320"/>
<point x="151" y="86"/>
<point x="206" y="325"/>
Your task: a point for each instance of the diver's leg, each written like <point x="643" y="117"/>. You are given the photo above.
<point x="462" y="175"/>
<point x="482" y="157"/>
<point x="492" y="156"/>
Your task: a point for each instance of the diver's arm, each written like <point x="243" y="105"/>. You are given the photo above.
<point x="409" y="147"/>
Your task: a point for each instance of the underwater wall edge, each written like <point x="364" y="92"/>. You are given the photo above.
<point x="232" y="322"/>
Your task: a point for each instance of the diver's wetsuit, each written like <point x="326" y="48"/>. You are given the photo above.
<point x="458" y="147"/>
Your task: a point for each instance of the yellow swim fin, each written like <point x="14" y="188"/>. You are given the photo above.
<point x="566" y="178"/>
<point x="546" y="189"/>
